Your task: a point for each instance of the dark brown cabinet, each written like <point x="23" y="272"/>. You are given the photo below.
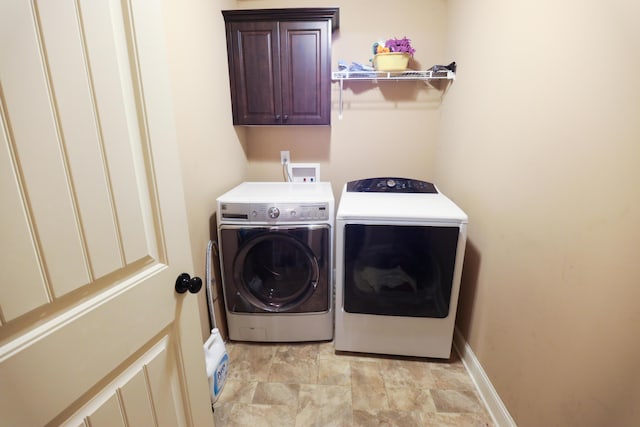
<point x="280" y="65"/>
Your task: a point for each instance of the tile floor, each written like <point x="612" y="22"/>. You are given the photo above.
<point x="309" y="384"/>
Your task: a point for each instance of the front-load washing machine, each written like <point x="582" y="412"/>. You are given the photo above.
<point x="276" y="250"/>
<point x="399" y="250"/>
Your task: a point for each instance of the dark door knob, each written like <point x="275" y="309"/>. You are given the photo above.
<point x="185" y="283"/>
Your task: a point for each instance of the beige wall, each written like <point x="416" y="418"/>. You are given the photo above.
<point x="540" y="142"/>
<point x="213" y="158"/>
<point x="537" y="139"/>
<point x="386" y="130"/>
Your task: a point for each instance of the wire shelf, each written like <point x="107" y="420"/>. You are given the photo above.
<point x="391" y="75"/>
<point x="376" y="76"/>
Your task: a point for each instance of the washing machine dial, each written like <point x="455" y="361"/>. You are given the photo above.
<point x="273" y="212"/>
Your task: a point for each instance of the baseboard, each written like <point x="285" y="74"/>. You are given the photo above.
<point x="488" y="394"/>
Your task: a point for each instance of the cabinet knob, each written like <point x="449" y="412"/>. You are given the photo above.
<point x="277" y="117"/>
<point x="285" y="118"/>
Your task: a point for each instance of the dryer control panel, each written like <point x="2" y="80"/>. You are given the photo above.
<point x="390" y="185"/>
<point x="274" y="212"/>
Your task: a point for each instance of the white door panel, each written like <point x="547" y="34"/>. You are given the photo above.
<point x="136" y="391"/>
<point x="93" y="222"/>
<point x="31" y="118"/>
<point x="19" y="257"/>
<point x="76" y="113"/>
<point x="113" y="88"/>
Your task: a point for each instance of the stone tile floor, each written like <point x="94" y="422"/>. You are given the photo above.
<point x="310" y="384"/>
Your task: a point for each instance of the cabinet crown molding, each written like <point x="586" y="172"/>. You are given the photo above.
<point x="288" y="14"/>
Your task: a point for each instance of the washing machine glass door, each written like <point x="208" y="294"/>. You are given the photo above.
<point x="276" y="270"/>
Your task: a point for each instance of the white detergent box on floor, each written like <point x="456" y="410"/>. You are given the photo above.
<point x="217" y="363"/>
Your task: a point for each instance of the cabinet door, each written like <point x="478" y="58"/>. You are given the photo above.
<point x="254" y="69"/>
<point x="306" y="72"/>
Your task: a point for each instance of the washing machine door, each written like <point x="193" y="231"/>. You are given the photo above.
<point x="279" y="269"/>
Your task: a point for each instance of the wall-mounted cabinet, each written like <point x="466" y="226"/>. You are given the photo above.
<point x="280" y="65"/>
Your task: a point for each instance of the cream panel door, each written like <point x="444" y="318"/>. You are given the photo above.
<point x="93" y="222"/>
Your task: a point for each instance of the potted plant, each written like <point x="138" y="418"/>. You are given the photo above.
<point x="392" y="54"/>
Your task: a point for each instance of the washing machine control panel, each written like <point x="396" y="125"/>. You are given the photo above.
<point x="274" y="212"/>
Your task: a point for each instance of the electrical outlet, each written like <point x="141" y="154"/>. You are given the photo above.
<point x="284" y="157"/>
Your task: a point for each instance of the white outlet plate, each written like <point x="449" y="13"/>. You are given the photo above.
<point x="285" y="158"/>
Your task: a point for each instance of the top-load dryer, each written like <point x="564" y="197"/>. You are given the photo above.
<point x="276" y="249"/>
<point x="399" y="250"/>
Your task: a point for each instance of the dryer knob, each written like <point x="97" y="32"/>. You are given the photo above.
<point x="273" y="212"/>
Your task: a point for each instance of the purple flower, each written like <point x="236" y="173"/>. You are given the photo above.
<point x="400" y="45"/>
